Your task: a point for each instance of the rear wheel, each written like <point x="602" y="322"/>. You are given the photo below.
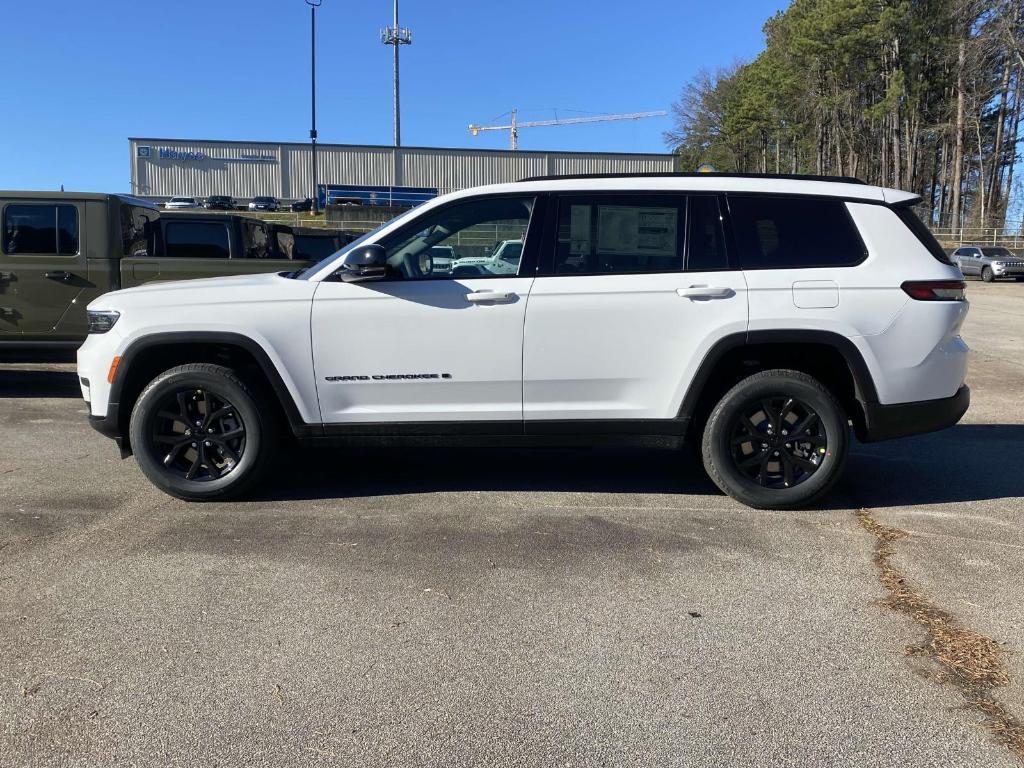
<point x="986" y="274"/>
<point x="200" y="432"/>
<point x="776" y="440"/>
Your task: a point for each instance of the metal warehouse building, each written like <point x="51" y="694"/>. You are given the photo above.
<point x="162" y="168"/>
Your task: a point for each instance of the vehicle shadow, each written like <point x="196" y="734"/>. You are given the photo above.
<point x="968" y="462"/>
<point x="326" y="473"/>
<point x="38" y="383"/>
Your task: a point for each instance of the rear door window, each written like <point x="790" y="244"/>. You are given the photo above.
<point x="196" y="240"/>
<point x="620" y="234"/>
<point x="40" y="229"/>
<point x="794" y="232"/>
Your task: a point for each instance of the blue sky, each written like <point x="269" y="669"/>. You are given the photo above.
<point x="80" y="77"/>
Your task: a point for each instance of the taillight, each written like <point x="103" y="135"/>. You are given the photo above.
<point x="935" y="290"/>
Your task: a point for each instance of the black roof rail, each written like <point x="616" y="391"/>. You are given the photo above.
<point x="687" y="175"/>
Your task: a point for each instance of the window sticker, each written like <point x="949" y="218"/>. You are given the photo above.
<point x="631" y="230"/>
<point x="579" y="229"/>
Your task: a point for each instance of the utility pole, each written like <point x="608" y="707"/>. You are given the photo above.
<point x="313" y="5"/>
<point x="396" y="36"/>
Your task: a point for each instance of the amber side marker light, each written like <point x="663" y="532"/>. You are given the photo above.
<point x="113" y="369"/>
<point x="935" y="290"/>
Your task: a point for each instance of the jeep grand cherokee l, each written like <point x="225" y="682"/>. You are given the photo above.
<point x="758" y="316"/>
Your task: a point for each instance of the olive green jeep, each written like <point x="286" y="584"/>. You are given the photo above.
<point x="60" y="250"/>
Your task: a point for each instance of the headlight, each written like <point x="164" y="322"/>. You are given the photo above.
<point x="101" y="320"/>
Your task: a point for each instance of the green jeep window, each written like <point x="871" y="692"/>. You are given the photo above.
<point x="137" y="229"/>
<point x="40" y="229"/>
<point x="196" y="240"/>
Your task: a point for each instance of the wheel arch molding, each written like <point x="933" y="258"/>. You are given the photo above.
<point x="738" y="355"/>
<point x="216" y="346"/>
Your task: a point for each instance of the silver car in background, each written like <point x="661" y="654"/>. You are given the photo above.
<point x="988" y="262"/>
<point x="181" y="203"/>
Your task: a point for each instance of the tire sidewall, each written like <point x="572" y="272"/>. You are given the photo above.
<point x="142" y="423"/>
<point x="987" y="275"/>
<point x="719" y="433"/>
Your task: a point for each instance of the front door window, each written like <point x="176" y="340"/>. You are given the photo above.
<point x="479" y="238"/>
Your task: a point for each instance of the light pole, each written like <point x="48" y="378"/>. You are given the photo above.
<point x="313" y="5"/>
<point x="396" y="36"/>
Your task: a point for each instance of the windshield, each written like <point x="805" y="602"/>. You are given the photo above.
<point x="304" y="274"/>
<point x="997" y="252"/>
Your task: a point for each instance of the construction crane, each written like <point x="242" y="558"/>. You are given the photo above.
<point x="514" y="126"/>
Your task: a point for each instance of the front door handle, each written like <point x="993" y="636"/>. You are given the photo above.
<point x="705" y="292"/>
<point x="62" y="276"/>
<point x="491" y="297"/>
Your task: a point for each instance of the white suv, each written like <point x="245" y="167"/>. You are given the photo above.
<point x="758" y="315"/>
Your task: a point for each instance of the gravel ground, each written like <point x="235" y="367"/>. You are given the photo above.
<point x="477" y="608"/>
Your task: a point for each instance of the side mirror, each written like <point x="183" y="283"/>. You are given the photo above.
<point x="362" y="264"/>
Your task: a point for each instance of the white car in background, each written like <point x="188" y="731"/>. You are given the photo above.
<point x="504" y="259"/>
<point x="442" y="257"/>
<point x="181" y="203"/>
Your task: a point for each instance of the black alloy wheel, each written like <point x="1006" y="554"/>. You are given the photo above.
<point x="198" y="434"/>
<point x="201" y="432"/>
<point x="778" y="442"/>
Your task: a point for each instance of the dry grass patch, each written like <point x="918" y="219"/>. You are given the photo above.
<point x="966" y="660"/>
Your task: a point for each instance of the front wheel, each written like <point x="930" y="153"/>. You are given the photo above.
<point x="987" y="275"/>
<point x="199" y="432"/>
<point x="776" y="440"/>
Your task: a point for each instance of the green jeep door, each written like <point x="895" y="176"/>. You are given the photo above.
<point x="42" y="264"/>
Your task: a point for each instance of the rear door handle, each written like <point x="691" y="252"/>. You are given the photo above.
<point x="491" y="297"/>
<point x="64" y="277"/>
<point x="704" y="292"/>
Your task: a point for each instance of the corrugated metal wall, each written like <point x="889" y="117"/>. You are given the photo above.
<point x="166" y="167"/>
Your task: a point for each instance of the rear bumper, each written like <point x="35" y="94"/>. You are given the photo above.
<point x="885" y="422"/>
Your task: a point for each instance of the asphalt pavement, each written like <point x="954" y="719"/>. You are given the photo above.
<point x="507" y="607"/>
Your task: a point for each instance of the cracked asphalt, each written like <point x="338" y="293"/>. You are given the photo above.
<point x="493" y="608"/>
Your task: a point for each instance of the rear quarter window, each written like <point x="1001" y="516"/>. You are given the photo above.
<point x="794" y="232"/>
<point x="924" y="235"/>
<point x="137" y="229"/>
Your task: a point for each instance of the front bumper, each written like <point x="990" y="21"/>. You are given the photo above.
<point x="885" y="422"/>
<point x="108" y="427"/>
<point x="1011" y="270"/>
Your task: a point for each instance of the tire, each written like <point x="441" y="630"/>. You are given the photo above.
<point x="821" y="457"/>
<point x="235" y="420"/>
<point x="986" y="274"/>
